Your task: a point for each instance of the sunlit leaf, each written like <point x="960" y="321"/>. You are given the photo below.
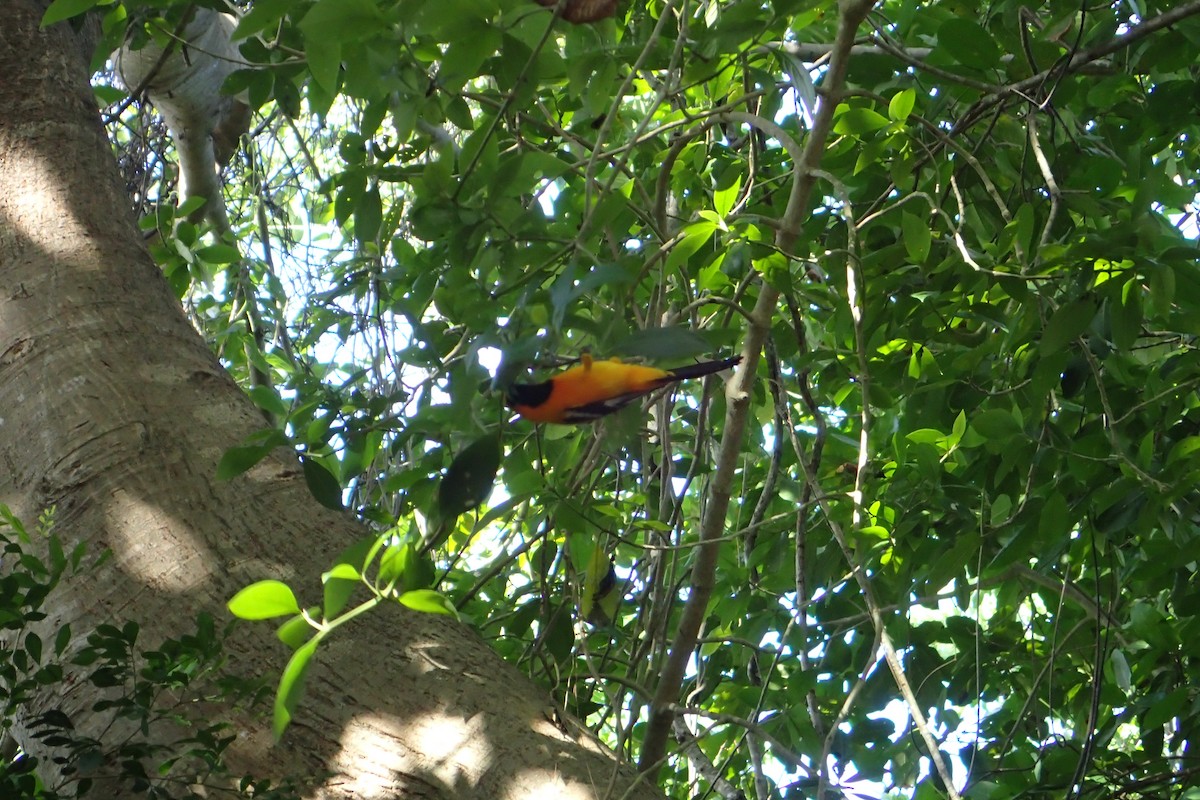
<point x="297" y="630"/>
<point x="428" y="601"/>
<point x="291" y="687"/>
<point x="901" y="105"/>
<point x="263" y="600"/>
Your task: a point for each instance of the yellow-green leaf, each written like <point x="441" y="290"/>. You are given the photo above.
<point x="902" y="104"/>
<point x="291" y="686"/>
<point x="428" y="601"/>
<point x="264" y="600"/>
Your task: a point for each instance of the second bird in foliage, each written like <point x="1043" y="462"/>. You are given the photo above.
<point x="593" y="389"/>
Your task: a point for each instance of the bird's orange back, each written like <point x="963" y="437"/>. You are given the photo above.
<point x="593" y="382"/>
<point x="607" y="378"/>
<point x="593" y="389"/>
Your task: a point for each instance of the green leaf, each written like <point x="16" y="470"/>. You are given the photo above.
<point x="108" y="95"/>
<point x="62" y="640"/>
<point x="602" y="592"/>
<point x="342" y="21"/>
<point x="917" y="236"/>
<point x="1127" y="316"/>
<point x="266" y="398"/>
<point x="798" y="72"/>
<point x="985" y="790"/>
<point x="901" y="105"/>
<point x="773" y="268"/>
<point x="1022" y="227"/>
<point x="968" y="43"/>
<point x="659" y="344"/>
<point x="394" y="563"/>
<point x="361" y="449"/>
<point x="60" y="10"/>
<point x="695" y="236"/>
<point x="324" y="62"/>
<point x="58" y="557"/>
<point x="428" y="601"/>
<point x="219" y="254"/>
<point x="465" y="56"/>
<point x="189" y="206"/>
<point x="1067" y="324"/>
<point x="358" y="555"/>
<point x="260" y="16"/>
<point x="33" y="646"/>
<point x="1121" y="673"/>
<point x="1184" y="449"/>
<point x="996" y="424"/>
<point x="724" y="199"/>
<point x="322" y="483"/>
<point x="1149" y="623"/>
<point x="857" y="121"/>
<point x="469" y="479"/>
<point x="1054" y="523"/>
<point x="345" y="572"/>
<point x="264" y="600"/>
<point x="297" y="630"/>
<point x="1166" y="709"/>
<point x="1162" y="289"/>
<point x="291" y="686"/>
<point x="237" y="460"/>
<point x="560" y="632"/>
<point x="340" y="583"/>
<point x="959" y="427"/>
<point x="368" y="217"/>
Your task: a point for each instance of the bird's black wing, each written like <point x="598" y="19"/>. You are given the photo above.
<point x="590" y="412"/>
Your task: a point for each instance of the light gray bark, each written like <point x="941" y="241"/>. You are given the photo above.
<point x="183" y="80"/>
<point x="113" y="409"/>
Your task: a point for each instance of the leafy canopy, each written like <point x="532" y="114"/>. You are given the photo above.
<point x="973" y="435"/>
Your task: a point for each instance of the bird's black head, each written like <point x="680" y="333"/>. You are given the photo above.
<point x="527" y="394"/>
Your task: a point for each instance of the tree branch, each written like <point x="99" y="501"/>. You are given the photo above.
<point x="1080" y="60"/>
<point x="738" y="394"/>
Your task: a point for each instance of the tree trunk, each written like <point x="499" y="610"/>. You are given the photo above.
<point x="113" y="410"/>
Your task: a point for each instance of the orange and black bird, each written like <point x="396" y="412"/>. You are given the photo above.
<point x="593" y="389"/>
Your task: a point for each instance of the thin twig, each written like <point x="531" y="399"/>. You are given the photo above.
<point x="1048" y="176"/>
<point x="1081" y="59"/>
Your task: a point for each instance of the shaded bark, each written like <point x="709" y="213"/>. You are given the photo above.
<point x="113" y="410"/>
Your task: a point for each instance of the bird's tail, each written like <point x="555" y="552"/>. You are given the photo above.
<point x="703" y="368"/>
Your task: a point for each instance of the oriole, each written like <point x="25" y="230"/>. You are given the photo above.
<point x="593" y="389"/>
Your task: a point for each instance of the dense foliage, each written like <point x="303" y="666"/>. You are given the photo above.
<point x="974" y="432"/>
